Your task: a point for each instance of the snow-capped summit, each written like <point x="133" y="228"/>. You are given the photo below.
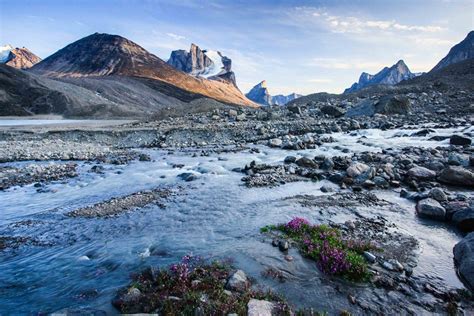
<point x="209" y="64"/>
<point x="5" y="52"/>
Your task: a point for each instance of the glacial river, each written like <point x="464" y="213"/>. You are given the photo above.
<point x="88" y="260"/>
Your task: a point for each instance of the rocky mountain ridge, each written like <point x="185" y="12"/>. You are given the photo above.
<point x="459" y="52"/>
<point x="260" y="94"/>
<point x="387" y="76"/>
<point x="21" y="58"/>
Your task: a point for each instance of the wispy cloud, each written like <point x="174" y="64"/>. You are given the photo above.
<point x="176" y="36"/>
<point x="319" y="80"/>
<point x="344" y="64"/>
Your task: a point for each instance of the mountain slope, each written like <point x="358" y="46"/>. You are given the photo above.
<point x="459" y="52"/>
<point x="21" y="58"/>
<point x="281" y="99"/>
<point x="101" y="55"/>
<point x="387" y="76"/>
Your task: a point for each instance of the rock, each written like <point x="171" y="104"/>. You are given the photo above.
<point x="369" y="257"/>
<point x="356" y="169"/>
<point x="421" y="173"/>
<point x="430" y="208"/>
<point x="275" y="142"/>
<point x="233" y="113"/>
<point x="144" y="157"/>
<point x="387" y="265"/>
<point x="457" y="175"/>
<point x="464" y="219"/>
<point x="326" y="189"/>
<point x="460" y="140"/>
<point x="332" y="110"/>
<point x="327" y="164"/>
<point x="260" y="308"/>
<point x="133" y="295"/>
<point x="290" y="159"/>
<point x="289" y="258"/>
<point x="305" y="162"/>
<point x="464" y="259"/>
<point x="438" y="194"/>
<point x="237" y="281"/>
<point x="187" y="176"/>
<point x="396" y="265"/>
<point x="283" y="245"/>
<point x="396" y="104"/>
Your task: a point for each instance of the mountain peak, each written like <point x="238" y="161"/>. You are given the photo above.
<point x="387" y="76"/>
<point x="21" y="58"/>
<point x="459" y="52"/>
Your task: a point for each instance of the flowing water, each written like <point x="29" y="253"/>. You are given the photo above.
<point x="87" y="260"/>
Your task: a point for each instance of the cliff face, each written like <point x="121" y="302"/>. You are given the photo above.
<point x="459" y="52"/>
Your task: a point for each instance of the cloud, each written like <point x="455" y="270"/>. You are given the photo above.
<point x="176" y="36"/>
<point x="318" y="80"/>
<point x="352" y="24"/>
<point x="344" y="64"/>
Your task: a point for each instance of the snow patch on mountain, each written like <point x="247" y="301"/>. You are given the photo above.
<point x="5" y="53"/>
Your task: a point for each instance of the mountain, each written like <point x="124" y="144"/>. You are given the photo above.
<point x="20" y="58"/>
<point x="281" y="99"/>
<point x="106" y="56"/>
<point x="209" y="64"/>
<point x="260" y="94"/>
<point x="387" y="76"/>
<point x="459" y="52"/>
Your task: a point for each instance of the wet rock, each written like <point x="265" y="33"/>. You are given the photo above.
<point x="283" y="245"/>
<point x="290" y="159"/>
<point x="144" y="157"/>
<point x="187" y="176"/>
<point x="457" y="175"/>
<point x="464" y="219"/>
<point x="356" y="169"/>
<point x="370" y="257"/>
<point x="431" y="208"/>
<point x="306" y="163"/>
<point x="326" y="189"/>
<point x="421" y="173"/>
<point x="460" y="140"/>
<point x="388" y="266"/>
<point x="438" y="194"/>
<point x="275" y="142"/>
<point x="260" y="308"/>
<point x="464" y="259"/>
<point x="237" y="281"/>
<point x="327" y="164"/>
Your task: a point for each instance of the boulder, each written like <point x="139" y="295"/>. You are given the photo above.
<point x="260" y="308"/>
<point x="187" y="176"/>
<point x="457" y="175"/>
<point x="464" y="219"/>
<point x="460" y="140"/>
<point x="438" y="194"/>
<point x="464" y="260"/>
<point x="305" y="162"/>
<point x="332" y="110"/>
<point x="421" y="173"/>
<point x="275" y="142"/>
<point x="356" y="169"/>
<point x="395" y="104"/>
<point x="237" y="281"/>
<point x="431" y="208"/>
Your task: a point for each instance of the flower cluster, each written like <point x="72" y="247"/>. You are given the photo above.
<point x="333" y="254"/>
<point x="297" y="224"/>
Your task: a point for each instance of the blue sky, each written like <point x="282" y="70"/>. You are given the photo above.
<point x="297" y="46"/>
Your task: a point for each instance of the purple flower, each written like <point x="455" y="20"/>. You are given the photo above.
<point x="296" y="224"/>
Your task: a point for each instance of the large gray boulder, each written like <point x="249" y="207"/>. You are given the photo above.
<point x="237" y="281"/>
<point x="396" y="104"/>
<point x="332" y="110"/>
<point x="457" y="175"/>
<point x="421" y="173"/>
<point x="464" y="259"/>
<point x="464" y="219"/>
<point x="260" y="308"/>
<point x="431" y="208"/>
<point x="356" y="169"/>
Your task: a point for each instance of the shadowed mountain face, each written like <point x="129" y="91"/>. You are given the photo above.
<point x="100" y="55"/>
<point x="387" y="76"/>
<point x="260" y="94"/>
<point x="21" y="58"/>
<point x="460" y="52"/>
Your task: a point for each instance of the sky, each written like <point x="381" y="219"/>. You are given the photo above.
<point x="296" y="46"/>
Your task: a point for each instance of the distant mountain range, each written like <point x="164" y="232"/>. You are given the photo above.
<point x="387" y="76"/>
<point x="208" y="64"/>
<point x="260" y="95"/>
<point x="460" y="52"/>
<point x="21" y="58"/>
